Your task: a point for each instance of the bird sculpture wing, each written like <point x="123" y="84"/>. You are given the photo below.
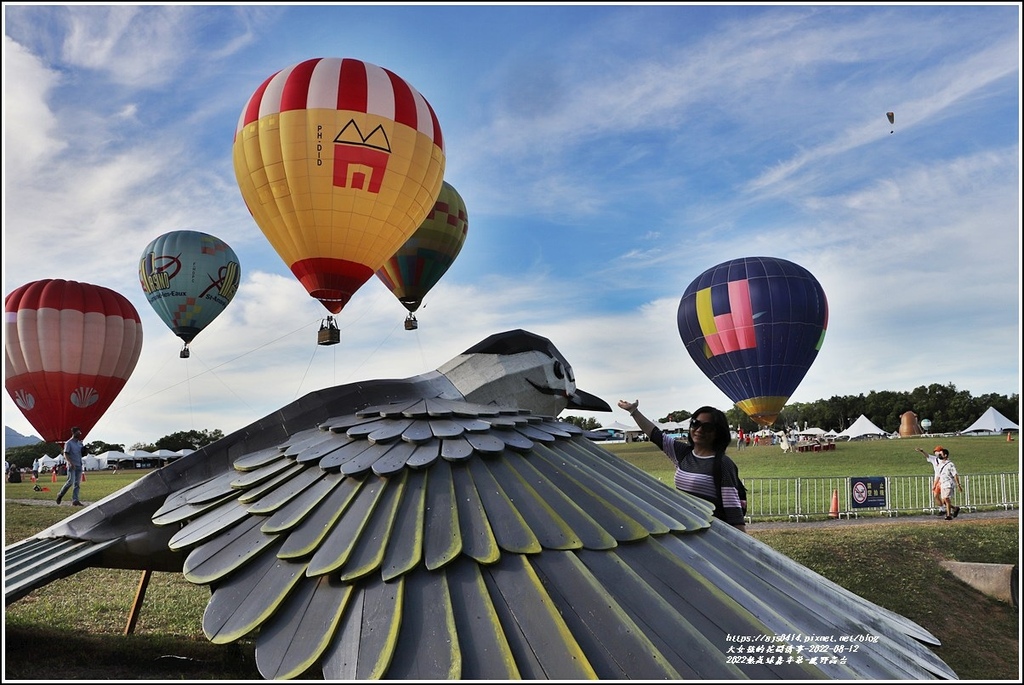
<point x="428" y="537"/>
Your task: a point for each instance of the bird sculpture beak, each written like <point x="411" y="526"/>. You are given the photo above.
<point x="584" y="400"/>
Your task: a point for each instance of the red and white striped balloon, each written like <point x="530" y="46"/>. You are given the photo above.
<point x="69" y="349"/>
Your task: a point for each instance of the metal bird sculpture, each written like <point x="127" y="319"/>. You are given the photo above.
<point x="447" y="526"/>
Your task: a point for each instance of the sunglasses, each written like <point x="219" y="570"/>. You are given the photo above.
<point x="706" y="425"/>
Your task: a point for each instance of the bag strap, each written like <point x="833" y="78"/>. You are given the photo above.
<point x="717" y="472"/>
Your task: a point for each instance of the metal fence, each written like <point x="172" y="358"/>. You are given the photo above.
<point x="807" y="498"/>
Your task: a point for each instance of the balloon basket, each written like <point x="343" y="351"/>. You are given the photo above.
<point x="185" y="353"/>
<point x="411" y="324"/>
<point x="329" y="333"/>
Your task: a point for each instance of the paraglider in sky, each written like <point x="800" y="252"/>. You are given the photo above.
<point x="420" y="263"/>
<point x="892" y="118"/>
<point x="339" y="161"/>
<point x="754" y="326"/>
<point x="69" y="349"/>
<point x="189" y="277"/>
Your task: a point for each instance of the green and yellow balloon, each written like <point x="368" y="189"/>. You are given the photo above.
<point x="420" y="263"/>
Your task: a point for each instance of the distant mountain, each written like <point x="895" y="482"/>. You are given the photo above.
<point x="13" y="438"/>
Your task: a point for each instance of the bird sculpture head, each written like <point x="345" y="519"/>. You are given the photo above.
<point x="519" y="369"/>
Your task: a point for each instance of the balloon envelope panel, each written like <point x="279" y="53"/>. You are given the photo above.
<point x="69" y="349"/>
<point x="189" y="277"/>
<point x="754" y="326"/>
<point x="425" y="257"/>
<point x="339" y="161"/>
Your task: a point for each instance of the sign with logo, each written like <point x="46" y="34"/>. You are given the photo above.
<point x="867" y="491"/>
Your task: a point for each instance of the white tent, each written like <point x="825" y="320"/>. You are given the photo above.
<point x="862" y="428"/>
<point x="95" y="462"/>
<point x="629" y="433"/>
<point x="113" y="457"/>
<point x="991" y="422"/>
<point x="813" y="432"/>
<point x="621" y="427"/>
<point x="46" y="462"/>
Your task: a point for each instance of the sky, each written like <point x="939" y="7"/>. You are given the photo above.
<point x="608" y="154"/>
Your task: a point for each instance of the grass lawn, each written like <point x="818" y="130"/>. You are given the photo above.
<point x="987" y="454"/>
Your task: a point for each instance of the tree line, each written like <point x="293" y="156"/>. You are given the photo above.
<point x="23" y="456"/>
<point x="950" y="410"/>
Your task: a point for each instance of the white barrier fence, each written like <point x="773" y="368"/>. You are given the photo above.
<point x="807" y="498"/>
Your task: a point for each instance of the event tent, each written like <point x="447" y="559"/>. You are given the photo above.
<point x="991" y="422"/>
<point x="814" y="432"/>
<point x="113" y="457"/>
<point x="612" y="430"/>
<point x="862" y="428"/>
<point x="94" y="462"/>
<point x="47" y="463"/>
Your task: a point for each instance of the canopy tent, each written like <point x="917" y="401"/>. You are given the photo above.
<point x="94" y="462"/>
<point x="113" y="457"/>
<point x="614" y="429"/>
<point x="813" y="432"/>
<point x="621" y="427"/>
<point x="862" y="428"/>
<point x="47" y="463"/>
<point x="991" y="422"/>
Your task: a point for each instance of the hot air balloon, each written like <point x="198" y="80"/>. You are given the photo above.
<point x="69" y="348"/>
<point x="339" y="161"/>
<point x="189" y="277"/>
<point x="892" y="118"/>
<point x="754" y="326"/>
<point x="420" y="263"/>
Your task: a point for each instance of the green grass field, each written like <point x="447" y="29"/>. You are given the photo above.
<point x="987" y="454"/>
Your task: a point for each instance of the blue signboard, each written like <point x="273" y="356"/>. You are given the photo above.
<point x="867" y="491"/>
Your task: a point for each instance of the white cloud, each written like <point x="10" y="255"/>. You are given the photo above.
<point x="605" y="162"/>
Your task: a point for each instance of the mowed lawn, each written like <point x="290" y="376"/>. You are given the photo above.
<point x="884" y="457"/>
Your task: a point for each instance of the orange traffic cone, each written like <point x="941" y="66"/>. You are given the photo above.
<point x="83" y="475"/>
<point x="53" y="479"/>
<point x="833" y="512"/>
<point x="1009" y="436"/>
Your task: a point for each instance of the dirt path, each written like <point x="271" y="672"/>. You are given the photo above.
<point x="964" y="517"/>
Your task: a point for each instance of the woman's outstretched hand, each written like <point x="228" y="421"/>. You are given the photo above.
<point x="629" y="406"/>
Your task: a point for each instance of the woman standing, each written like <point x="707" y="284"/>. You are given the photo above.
<point x="699" y="457"/>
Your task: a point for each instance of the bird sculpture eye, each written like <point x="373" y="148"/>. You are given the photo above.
<point x="558" y="369"/>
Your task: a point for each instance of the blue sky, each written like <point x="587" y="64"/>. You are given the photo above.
<point x="607" y="155"/>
